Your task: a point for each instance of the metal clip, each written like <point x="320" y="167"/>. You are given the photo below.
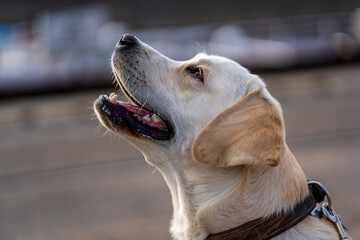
<point x="336" y="219"/>
<point x="329" y="212"/>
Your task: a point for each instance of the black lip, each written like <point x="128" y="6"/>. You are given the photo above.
<point x="120" y="116"/>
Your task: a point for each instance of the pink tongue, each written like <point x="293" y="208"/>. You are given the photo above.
<point x="136" y="110"/>
<point x="143" y="113"/>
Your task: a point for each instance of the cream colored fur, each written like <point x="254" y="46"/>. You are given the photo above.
<point x="228" y="162"/>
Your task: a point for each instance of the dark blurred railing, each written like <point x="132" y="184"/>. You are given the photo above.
<point x="70" y="48"/>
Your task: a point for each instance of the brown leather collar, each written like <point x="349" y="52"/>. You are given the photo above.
<point x="264" y="229"/>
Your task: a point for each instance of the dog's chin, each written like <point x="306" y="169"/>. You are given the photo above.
<point x="129" y="119"/>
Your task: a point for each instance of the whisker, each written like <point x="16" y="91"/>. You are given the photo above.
<point x="146" y="98"/>
<point x="98" y="128"/>
<point x="93" y="117"/>
<point x="111" y="135"/>
<point x="105" y="133"/>
<point x="154" y="171"/>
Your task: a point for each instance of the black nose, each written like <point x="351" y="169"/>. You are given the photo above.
<point x="128" y="40"/>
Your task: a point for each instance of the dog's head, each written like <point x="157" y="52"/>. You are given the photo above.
<point x="209" y="106"/>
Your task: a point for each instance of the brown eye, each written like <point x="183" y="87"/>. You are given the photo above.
<point x="197" y="72"/>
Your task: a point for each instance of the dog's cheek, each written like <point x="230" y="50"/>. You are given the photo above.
<point x="186" y="146"/>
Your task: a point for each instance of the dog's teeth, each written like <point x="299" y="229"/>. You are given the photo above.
<point x="156" y="118"/>
<point x="137" y="116"/>
<point x="113" y="98"/>
<point x="147" y="117"/>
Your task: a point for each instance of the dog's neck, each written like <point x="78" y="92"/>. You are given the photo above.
<point x="213" y="199"/>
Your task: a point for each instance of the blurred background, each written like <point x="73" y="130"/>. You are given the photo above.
<point x="63" y="177"/>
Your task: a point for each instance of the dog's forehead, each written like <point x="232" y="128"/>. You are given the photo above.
<point x="218" y="63"/>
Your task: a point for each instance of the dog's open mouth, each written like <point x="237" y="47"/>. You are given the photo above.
<point x="114" y="112"/>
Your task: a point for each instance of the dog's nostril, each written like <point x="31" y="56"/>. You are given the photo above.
<point x="128" y="40"/>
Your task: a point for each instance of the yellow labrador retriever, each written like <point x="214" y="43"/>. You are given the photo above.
<point x="216" y="135"/>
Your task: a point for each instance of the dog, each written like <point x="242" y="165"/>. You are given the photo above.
<point x="216" y="135"/>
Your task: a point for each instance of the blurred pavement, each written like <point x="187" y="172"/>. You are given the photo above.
<point x="60" y="179"/>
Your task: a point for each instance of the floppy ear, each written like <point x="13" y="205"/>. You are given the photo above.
<point x="251" y="131"/>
